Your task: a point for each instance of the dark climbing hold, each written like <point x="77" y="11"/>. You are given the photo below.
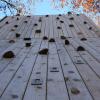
<point x="66" y="78"/>
<point x="11" y="41"/>
<point x="27" y="39"/>
<point x="37" y="82"/>
<point x="28" y="44"/>
<point x="71" y="18"/>
<point x="83" y="39"/>
<point x="45" y="38"/>
<point x="75" y="91"/>
<point x="40" y="19"/>
<point x="58" y="27"/>
<point x="28" y="16"/>
<point x="17" y="35"/>
<point x="35" y="24"/>
<point x="78" y="14"/>
<point x="14" y="96"/>
<point x="67" y="42"/>
<point x="17" y="18"/>
<point x="71" y="72"/>
<point x="7" y="22"/>
<point x="90" y="28"/>
<point x="57" y="18"/>
<point x="62" y="37"/>
<point x="25" y="21"/>
<point x="38" y="31"/>
<point x="47" y="16"/>
<point x="43" y="51"/>
<point x="8" y="54"/>
<point x="16" y="26"/>
<point x="59" y="15"/>
<point x="85" y="22"/>
<point x="17" y="14"/>
<point x="52" y="40"/>
<point x="71" y="25"/>
<point x="69" y="13"/>
<point x="80" y="48"/>
<point x="54" y="69"/>
<point x="61" y="21"/>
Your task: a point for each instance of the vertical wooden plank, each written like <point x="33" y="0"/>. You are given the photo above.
<point x="56" y="89"/>
<point x="51" y="35"/>
<point x="38" y="92"/>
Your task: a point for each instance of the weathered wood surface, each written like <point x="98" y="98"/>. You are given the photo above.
<point x="64" y="73"/>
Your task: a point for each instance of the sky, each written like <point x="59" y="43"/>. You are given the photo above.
<point x="44" y="7"/>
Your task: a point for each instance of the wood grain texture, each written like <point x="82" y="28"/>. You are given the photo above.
<point x="62" y="74"/>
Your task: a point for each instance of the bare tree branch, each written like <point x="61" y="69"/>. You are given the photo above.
<point x="10" y="4"/>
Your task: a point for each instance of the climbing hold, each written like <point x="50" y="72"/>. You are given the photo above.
<point x="17" y="18"/>
<point x="17" y="35"/>
<point x="17" y="14"/>
<point x="8" y="54"/>
<point x="54" y="69"/>
<point x="47" y="16"/>
<point x="71" y="71"/>
<point x="78" y="14"/>
<point x="77" y="80"/>
<point x="71" y="25"/>
<point x="66" y="78"/>
<point x="43" y="51"/>
<point x="52" y="40"/>
<point x="62" y="37"/>
<point x="28" y="16"/>
<point x="67" y="42"/>
<point x="75" y="91"/>
<point x="37" y="82"/>
<point x="58" y="27"/>
<point x="27" y="39"/>
<point x="11" y="41"/>
<point x="14" y="96"/>
<point x="90" y="28"/>
<point x="35" y="24"/>
<point x="28" y="44"/>
<point x="65" y="64"/>
<point x="85" y="22"/>
<point x="80" y="48"/>
<point x="83" y="39"/>
<point x="59" y="15"/>
<point x="69" y="13"/>
<point x="25" y="21"/>
<point x="57" y="18"/>
<point x="45" y="38"/>
<point x="61" y="21"/>
<point x="16" y="26"/>
<point x="38" y="72"/>
<point x="38" y="31"/>
<point x="40" y="19"/>
<point x="79" y="62"/>
<point x="71" y="18"/>
<point x="7" y="22"/>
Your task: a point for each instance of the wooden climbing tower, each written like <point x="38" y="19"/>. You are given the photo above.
<point x="49" y="58"/>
